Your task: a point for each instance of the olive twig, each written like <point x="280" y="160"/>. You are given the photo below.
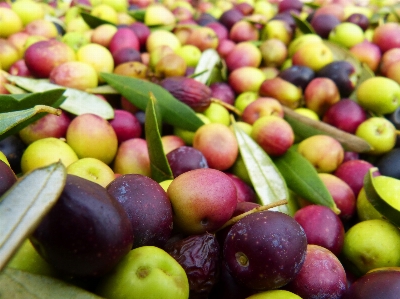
<point x="227" y="106"/>
<point x="235" y="219"/>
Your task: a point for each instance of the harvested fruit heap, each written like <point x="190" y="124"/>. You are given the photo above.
<point x="199" y="149"/>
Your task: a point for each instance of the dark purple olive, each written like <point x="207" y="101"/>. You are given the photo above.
<point x="230" y="17"/>
<point x="185" y="158"/>
<point x="7" y="177"/>
<point x="323" y="24"/>
<point x="148" y="208"/>
<point x="359" y="19"/>
<point x="265" y="250"/>
<point x="86" y="233"/>
<point x="298" y="75"/>
<point x="13" y="147"/>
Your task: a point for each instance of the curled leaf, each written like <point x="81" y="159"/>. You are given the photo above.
<point x="377" y="200"/>
<point x="303" y="25"/>
<point x="77" y="101"/>
<point x="160" y="169"/>
<point x="12" y="122"/>
<point x="267" y="181"/>
<point x="24" y="205"/>
<point x="208" y="61"/>
<point x="305" y="127"/>
<point x="302" y="178"/>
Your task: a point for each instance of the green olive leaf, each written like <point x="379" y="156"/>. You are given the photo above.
<point x="377" y="200"/>
<point x="103" y="89"/>
<point x="137" y="14"/>
<point x="24" y="205"/>
<point x="303" y="25"/>
<point x="137" y="92"/>
<point x="14" y="102"/>
<point x="93" y="21"/>
<point x="17" y="284"/>
<point x="12" y="122"/>
<point x="267" y="181"/>
<point x="209" y="59"/>
<point x="302" y="178"/>
<point x="77" y="102"/>
<point x="305" y="127"/>
<point x="160" y="169"/>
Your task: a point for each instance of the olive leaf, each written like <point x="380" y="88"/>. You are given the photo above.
<point x="303" y="25"/>
<point x="267" y="181"/>
<point x="302" y="178"/>
<point x="14" y="102"/>
<point x="23" y="206"/>
<point x="12" y="122"/>
<point x="137" y="92"/>
<point x="77" y="102"/>
<point x="381" y="205"/>
<point x="138" y="14"/>
<point x="93" y="21"/>
<point x="209" y="59"/>
<point x="305" y="127"/>
<point x="17" y="284"/>
<point x="160" y="169"/>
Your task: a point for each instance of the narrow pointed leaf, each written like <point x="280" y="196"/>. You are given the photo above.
<point x="14" y="102"/>
<point x="23" y="206"/>
<point x="17" y="284"/>
<point x="77" y="101"/>
<point x="303" y="25"/>
<point x="265" y="177"/>
<point x="137" y="92"/>
<point x="377" y="200"/>
<point x="103" y="89"/>
<point x="93" y="21"/>
<point x="305" y="127"/>
<point x="12" y="122"/>
<point x="208" y="60"/>
<point x="302" y="178"/>
<point x="160" y="169"/>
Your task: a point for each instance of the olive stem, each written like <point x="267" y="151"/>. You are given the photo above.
<point x="227" y="106"/>
<point x="235" y="219"/>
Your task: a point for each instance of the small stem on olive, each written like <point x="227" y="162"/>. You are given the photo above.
<point x="258" y="209"/>
<point x="229" y="107"/>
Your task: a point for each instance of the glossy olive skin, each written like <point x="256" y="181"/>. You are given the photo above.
<point x="7" y="177"/>
<point x="265" y="250"/>
<point x="148" y="208"/>
<point x="185" y="158"/>
<point x="383" y="284"/>
<point x="86" y="232"/>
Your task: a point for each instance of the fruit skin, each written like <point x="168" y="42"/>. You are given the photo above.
<point x="320" y="94"/>
<point x="323" y="151"/>
<point x="385" y="36"/>
<point x="74" y="74"/>
<point x="370" y="95"/>
<point x="218" y="144"/>
<point x="371" y="244"/>
<point x="285" y="92"/>
<point x="314" y="55"/>
<point x="10" y="22"/>
<point x="199" y="255"/>
<point x="322" y="227"/>
<point x="92" y="136"/>
<point x="388" y="163"/>
<point x="86" y="232"/>
<point x="185" y="158"/>
<point x="146" y="272"/>
<point x="262" y="106"/>
<point x="93" y="170"/>
<point x="322" y="275"/>
<point x="346" y="115"/>
<point x="343" y="73"/>
<point x="379" y="132"/>
<point x="342" y="195"/>
<point x="353" y="173"/>
<point x="198" y="209"/>
<point x="13" y="148"/>
<point x="383" y="284"/>
<point x="46" y="151"/>
<point x="7" y="177"/>
<point x="148" y="208"/>
<point x="132" y="157"/>
<point x="347" y="34"/>
<point x="43" y="56"/>
<point x="265" y="250"/>
<point x="189" y="91"/>
<point x="273" y="134"/>
<point x="275" y="294"/>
